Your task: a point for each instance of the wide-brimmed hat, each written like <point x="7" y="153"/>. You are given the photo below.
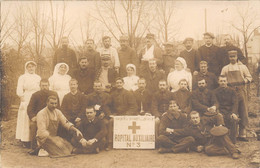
<point x="219" y="131"/>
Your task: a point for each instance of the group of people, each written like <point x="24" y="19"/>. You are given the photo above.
<point x="198" y="97"/>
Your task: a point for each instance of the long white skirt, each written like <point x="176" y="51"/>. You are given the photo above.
<point x="23" y="123"/>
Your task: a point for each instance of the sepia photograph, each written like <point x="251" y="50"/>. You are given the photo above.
<point x="130" y="84"/>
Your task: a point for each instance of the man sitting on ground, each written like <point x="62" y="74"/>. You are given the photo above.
<point x="94" y="132"/>
<point x="215" y="141"/>
<point x="173" y="119"/>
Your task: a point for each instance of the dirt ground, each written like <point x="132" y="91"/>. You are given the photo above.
<point x="14" y="155"/>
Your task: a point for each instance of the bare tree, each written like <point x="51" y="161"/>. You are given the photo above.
<point x="21" y="29"/>
<point x="125" y="17"/>
<point x="165" y="20"/>
<point x="6" y="25"/>
<point x="246" y="22"/>
<point x="87" y="27"/>
<point x="58" y="25"/>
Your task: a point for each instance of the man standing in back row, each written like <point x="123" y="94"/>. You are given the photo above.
<point x="211" y="54"/>
<point x="126" y="55"/>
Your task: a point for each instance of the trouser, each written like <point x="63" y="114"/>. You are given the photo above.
<point x="176" y="145"/>
<point x="242" y="109"/>
<point x="231" y="124"/>
<point x="221" y="145"/>
<point x="89" y="148"/>
<point x="33" y="132"/>
<point x="214" y="120"/>
<point x="106" y="121"/>
<point x="110" y="130"/>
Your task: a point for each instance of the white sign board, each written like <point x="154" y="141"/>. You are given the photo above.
<point x="134" y="132"/>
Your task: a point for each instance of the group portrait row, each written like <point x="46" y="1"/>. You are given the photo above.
<point x="198" y="98"/>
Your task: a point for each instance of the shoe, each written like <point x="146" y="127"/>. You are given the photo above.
<point x="96" y="151"/>
<point x="43" y="153"/>
<point x="242" y="139"/>
<point x="34" y="151"/>
<point x="235" y="156"/>
<point x="164" y="150"/>
<point x="109" y="147"/>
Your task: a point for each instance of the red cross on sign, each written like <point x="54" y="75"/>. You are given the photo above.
<point x="134" y="127"/>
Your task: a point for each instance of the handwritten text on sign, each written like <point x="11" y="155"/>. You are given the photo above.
<point x="134" y="132"/>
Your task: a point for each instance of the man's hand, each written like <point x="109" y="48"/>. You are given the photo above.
<point x="91" y="141"/>
<point x="195" y="73"/>
<point x="34" y="119"/>
<point x="77" y="120"/>
<point x="83" y="142"/>
<point x="157" y="119"/>
<point x="199" y="148"/>
<point x="169" y="130"/>
<point x="102" y="115"/>
<point x="112" y="116"/>
<point x="212" y="109"/>
<point x="117" y="69"/>
<point x="148" y="114"/>
<point x="234" y="116"/>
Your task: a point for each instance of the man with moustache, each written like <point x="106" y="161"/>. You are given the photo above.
<point x="227" y="101"/>
<point x="126" y="55"/>
<point x="85" y="75"/>
<point x="213" y="140"/>
<point x="190" y="55"/>
<point x="183" y="97"/>
<point x="173" y="119"/>
<point x="93" y="134"/>
<point x="106" y="74"/>
<point x="152" y="76"/>
<point x="229" y="46"/>
<point x="238" y="76"/>
<point x="210" y="53"/>
<point x="204" y="102"/>
<point x="150" y="51"/>
<point x="169" y="57"/>
<point x="92" y="55"/>
<point x="36" y="104"/>
<point x="111" y="51"/>
<point x="66" y="55"/>
<point x="210" y="78"/>
<point x="143" y="98"/>
<point x="160" y="103"/>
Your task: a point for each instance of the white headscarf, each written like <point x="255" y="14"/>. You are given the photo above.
<point x="182" y="61"/>
<point x="27" y="63"/>
<point x="56" y="69"/>
<point x="131" y="66"/>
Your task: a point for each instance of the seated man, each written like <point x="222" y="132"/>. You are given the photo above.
<point x="183" y="97"/>
<point x="143" y="98"/>
<point x="227" y="100"/>
<point x="204" y="101"/>
<point x="37" y="103"/>
<point x="72" y="103"/>
<point x="71" y="107"/>
<point x="48" y="120"/>
<point x="123" y="103"/>
<point x="160" y="103"/>
<point x="173" y="119"/>
<point x="211" y="79"/>
<point x="106" y="74"/>
<point x="215" y="144"/>
<point x="85" y="75"/>
<point x="103" y="100"/>
<point x="93" y="133"/>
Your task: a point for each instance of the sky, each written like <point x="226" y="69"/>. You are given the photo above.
<point x="190" y="16"/>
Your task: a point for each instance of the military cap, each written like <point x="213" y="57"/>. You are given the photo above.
<point x="168" y="43"/>
<point x="209" y="34"/>
<point x="187" y="39"/>
<point x="208" y="113"/>
<point x="150" y="36"/>
<point x="204" y="62"/>
<point x="119" y="78"/>
<point x="219" y="131"/>
<point x="232" y="52"/>
<point x="105" y="57"/>
<point x="123" y="38"/>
